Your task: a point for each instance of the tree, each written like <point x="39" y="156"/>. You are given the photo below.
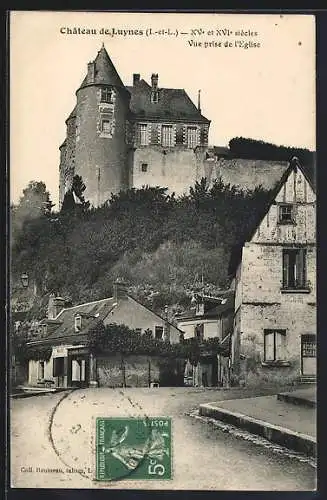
<point x="74" y="201"/>
<point x="78" y="187"/>
<point x="242" y="147"/>
<point x="35" y="202"/>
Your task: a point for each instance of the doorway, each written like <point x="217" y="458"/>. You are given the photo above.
<point x="78" y="368"/>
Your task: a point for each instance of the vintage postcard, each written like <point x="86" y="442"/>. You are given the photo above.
<point x="163" y="251"/>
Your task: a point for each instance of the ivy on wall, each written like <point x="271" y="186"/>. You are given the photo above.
<point x="115" y="338"/>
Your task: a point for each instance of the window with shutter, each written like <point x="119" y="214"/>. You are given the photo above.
<point x="192" y="137"/>
<point x="294" y="269"/>
<point x="274" y="345"/>
<point x="167" y="135"/>
<point x="142" y="134"/>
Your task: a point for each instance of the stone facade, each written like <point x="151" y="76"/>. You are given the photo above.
<point x="275" y="289"/>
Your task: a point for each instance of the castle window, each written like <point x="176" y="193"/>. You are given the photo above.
<point x="142" y="134"/>
<point x="294" y="268"/>
<point x="274" y="345"/>
<point x="106" y="95"/>
<point x="192" y="137"/>
<point x="144" y="167"/>
<point x="286" y="214"/>
<point x="158" y="332"/>
<point x="167" y="135"/>
<point x="78" y="323"/>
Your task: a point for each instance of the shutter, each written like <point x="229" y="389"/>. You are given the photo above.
<point x="299" y="269"/>
<point x="286" y="263"/>
<point x="179" y="134"/>
<point x="269" y="346"/>
<point x="280" y="346"/>
<point x="154" y="133"/>
<point x="304" y="264"/>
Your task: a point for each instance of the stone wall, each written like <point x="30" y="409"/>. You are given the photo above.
<point x="132" y="370"/>
<point x="178" y="168"/>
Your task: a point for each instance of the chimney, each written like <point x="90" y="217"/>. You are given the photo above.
<point x="119" y="289"/>
<point x="136" y="78"/>
<point x="199" y="101"/>
<point x="91" y="72"/>
<point x="154" y="81"/>
<point x="55" y="305"/>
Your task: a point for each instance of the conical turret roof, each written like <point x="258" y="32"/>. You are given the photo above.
<point x="104" y="71"/>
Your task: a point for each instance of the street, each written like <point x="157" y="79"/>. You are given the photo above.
<point x="56" y="431"/>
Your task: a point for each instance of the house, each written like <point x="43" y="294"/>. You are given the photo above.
<point x="65" y="334"/>
<point x="144" y="134"/>
<point x="208" y="318"/>
<point x="275" y="286"/>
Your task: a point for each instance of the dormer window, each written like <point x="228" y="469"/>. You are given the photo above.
<point x="78" y="323"/>
<point x="106" y="95"/>
<point x="286" y="214"/>
<point x="155" y="96"/>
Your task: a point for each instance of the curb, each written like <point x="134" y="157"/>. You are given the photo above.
<point x="280" y="435"/>
<point x="29" y="394"/>
<point x="296" y="400"/>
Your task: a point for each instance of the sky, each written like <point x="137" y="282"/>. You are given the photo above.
<point x="264" y="90"/>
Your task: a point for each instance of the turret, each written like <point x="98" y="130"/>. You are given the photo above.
<point x="100" y="155"/>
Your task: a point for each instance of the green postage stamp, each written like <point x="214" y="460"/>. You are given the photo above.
<point x="133" y="448"/>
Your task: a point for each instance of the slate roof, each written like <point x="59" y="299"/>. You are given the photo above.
<point x="63" y="326"/>
<point x="308" y="172"/>
<point x="92" y="313"/>
<point x="105" y="71"/>
<point x="174" y="104"/>
<point x="214" y="307"/>
<point x="72" y="114"/>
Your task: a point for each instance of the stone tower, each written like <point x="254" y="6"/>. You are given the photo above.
<point x="95" y="146"/>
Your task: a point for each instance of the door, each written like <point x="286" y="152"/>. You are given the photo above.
<point x="78" y="368"/>
<point x="308" y="354"/>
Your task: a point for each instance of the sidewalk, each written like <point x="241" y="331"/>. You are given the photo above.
<point x="27" y="392"/>
<point x="305" y="397"/>
<point x="278" y="421"/>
